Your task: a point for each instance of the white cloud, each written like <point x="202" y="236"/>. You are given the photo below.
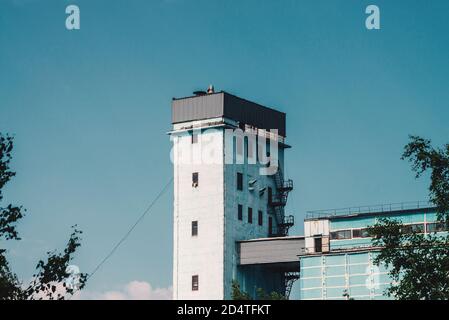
<point x="135" y="290"/>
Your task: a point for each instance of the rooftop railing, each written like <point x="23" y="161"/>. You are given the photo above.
<point x="369" y="209"/>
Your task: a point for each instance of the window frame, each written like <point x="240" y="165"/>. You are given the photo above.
<point x="240" y="181"/>
<point x="363" y="233"/>
<point x="270" y="225"/>
<point x="195" y="179"/>
<point x="270" y="195"/>
<point x="195" y="282"/>
<point x="194" y="138"/>
<point x="260" y="217"/>
<point x="334" y="235"/>
<point x="411" y="228"/>
<point x="250" y="215"/>
<point x="439" y="227"/>
<point x="194" y="228"/>
<point x="359" y="231"/>
<point x="317" y="240"/>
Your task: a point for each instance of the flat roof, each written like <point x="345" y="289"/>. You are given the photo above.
<point x="376" y="210"/>
<point x="273" y="238"/>
<point x="224" y="104"/>
<point x="335" y="252"/>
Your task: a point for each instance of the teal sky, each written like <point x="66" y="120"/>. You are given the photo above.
<point x="90" y="109"/>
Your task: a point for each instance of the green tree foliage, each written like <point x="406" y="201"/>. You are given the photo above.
<point x="423" y="157"/>
<point x="262" y="295"/>
<point x="49" y="279"/>
<point x="418" y="263"/>
<point x="238" y="294"/>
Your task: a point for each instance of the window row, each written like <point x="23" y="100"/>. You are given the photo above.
<point x="250" y="215"/>
<point x="251" y="184"/>
<point x="406" y="229"/>
<point x="196" y="177"/>
<point x="239" y="143"/>
<point x="195" y="282"/>
<point x="349" y="234"/>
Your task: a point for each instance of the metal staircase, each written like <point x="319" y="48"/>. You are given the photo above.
<point x="278" y="201"/>
<point x="289" y="280"/>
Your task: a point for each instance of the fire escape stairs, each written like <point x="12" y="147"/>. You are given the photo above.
<point x="278" y="202"/>
<point x="290" y="278"/>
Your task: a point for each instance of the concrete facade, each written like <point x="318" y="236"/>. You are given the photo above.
<point x="206" y="261"/>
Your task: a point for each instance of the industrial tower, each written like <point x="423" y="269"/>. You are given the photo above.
<point x="225" y="192"/>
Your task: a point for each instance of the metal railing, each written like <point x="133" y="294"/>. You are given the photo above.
<point x="288" y="220"/>
<point x="369" y="209"/>
<point x="287" y="185"/>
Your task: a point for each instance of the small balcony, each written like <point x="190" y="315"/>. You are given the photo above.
<point x="287" y="186"/>
<point x="278" y="200"/>
<point x="288" y="222"/>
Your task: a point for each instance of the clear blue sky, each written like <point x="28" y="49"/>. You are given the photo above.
<point x="90" y="109"/>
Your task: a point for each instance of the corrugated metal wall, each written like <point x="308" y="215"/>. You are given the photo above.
<point x="271" y="251"/>
<point x="254" y="114"/>
<point x="197" y="108"/>
<point x="223" y="104"/>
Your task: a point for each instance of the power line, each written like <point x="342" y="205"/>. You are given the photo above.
<point x="126" y="235"/>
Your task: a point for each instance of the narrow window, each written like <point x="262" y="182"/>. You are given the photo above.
<point x="194" y="137"/>
<point x="239" y="181"/>
<point x="268" y="147"/>
<point x="270" y="195"/>
<point x="270" y="225"/>
<point x="260" y="218"/>
<point x="250" y="215"/>
<point x="195" y="179"/>
<point x="194" y="228"/>
<point x="195" y="283"/>
<point x="318" y="244"/>
<point x="240" y="212"/>
<point x="257" y="148"/>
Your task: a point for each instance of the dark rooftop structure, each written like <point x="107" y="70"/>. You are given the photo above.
<point x="222" y="104"/>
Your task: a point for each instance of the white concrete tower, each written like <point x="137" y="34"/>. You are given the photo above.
<point x="222" y="193"/>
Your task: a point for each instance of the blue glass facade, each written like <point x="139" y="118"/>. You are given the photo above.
<point x="347" y="265"/>
<point x="330" y="276"/>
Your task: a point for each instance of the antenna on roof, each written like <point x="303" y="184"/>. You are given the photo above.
<point x="210" y="89"/>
